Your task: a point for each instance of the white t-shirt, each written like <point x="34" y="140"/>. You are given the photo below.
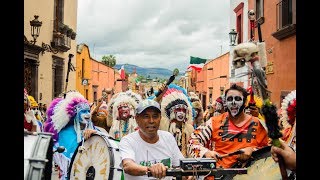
<point x="132" y="146"/>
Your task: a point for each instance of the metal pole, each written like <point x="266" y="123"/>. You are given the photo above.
<point x="70" y="67"/>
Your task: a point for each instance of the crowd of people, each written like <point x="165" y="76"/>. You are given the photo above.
<point x="156" y="131"/>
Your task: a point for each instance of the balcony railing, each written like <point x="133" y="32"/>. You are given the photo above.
<point x="62" y="36"/>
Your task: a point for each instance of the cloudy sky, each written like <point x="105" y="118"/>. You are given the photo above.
<point x="154" y="33"/>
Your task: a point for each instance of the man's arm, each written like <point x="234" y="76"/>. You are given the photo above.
<point x="198" y="139"/>
<point x="157" y="170"/>
<point x="130" y="167"/>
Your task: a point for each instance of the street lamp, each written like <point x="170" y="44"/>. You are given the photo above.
<point x="233" y="36"/>
<point x="35" y="28"/>
<point x="35" y="32"/>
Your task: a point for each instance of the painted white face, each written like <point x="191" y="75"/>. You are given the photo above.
<point x="83" y="113"/>
<point x="234" y="101"/>
<point x="180" y="112"/>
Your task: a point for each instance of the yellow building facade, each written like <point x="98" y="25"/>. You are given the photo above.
<point x="83" y="71"/>
<point x="46" y="57"/>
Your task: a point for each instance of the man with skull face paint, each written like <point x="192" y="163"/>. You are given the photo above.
<point x="231" y="131"/>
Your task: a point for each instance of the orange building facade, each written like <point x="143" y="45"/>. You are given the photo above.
<point x="94" y="77"/>
<point x="278" y="29"/>
<point x="211" y="81"/>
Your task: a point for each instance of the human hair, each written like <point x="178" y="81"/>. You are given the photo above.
<point x="238" y="88"/>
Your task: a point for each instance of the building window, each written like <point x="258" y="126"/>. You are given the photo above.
<point x="239" y="24"/>
<point x="58" y="14"/>
<point x="285" y="13"/>
<point x="58" y="74"/>
<point x="95" y="96"/>
<point x="82" y="65"/>
<point x="239" y="28"/>
<point x="286" y="19"/>
<point x="259" y="9"/>
<point x="87" y="92"/>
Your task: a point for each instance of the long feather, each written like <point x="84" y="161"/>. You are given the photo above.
<point x="270" y="114"/>
<point x="269" y="111"/>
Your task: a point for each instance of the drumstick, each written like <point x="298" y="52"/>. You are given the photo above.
<point x="240" y="151"/>
<point x="269" y="112"/>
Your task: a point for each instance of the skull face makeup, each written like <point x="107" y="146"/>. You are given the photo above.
<point x="235" y="104"/>
<point x="124" y="112"/>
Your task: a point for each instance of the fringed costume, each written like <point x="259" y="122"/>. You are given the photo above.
<point x="176" y="112"/>
<point x="67" y="119"/>
<point x="123" y="114"/>
<point x="288" y="119"/>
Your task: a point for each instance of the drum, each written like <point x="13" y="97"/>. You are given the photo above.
<point x="261" y="166"/>
<point x="99" y="159"/>
<point x="38" y="152"/>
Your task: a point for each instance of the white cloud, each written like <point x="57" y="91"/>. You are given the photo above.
<point x="154" y="33"/>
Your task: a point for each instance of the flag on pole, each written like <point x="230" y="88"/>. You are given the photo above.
<point x="196" y="63"/>
<point x="122" y="72"/>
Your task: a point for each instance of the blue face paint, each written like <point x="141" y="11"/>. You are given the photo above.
<point x="83" y="113"/>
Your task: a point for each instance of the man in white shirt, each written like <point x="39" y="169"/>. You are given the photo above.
<point x="148" y="149"/>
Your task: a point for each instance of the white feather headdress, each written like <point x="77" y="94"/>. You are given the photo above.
<point x="174" y="95"/>
<point x="284" y="108"/>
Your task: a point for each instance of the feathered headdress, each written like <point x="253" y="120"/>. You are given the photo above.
<point x="130" y="99"/>
<point x="288" y="110"/>
<point x="110" y="105"/>
<point x="174" y="95"/>
<point x="125" y="99"/>
<point x="137" y="97"/>
<point x="62" y="111"/>
<point x="193" y="97"/>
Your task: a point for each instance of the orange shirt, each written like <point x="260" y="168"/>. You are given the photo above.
<point x="229" y="138"/>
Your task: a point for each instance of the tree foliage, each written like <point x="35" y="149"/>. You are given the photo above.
<point x="109" y="60"/>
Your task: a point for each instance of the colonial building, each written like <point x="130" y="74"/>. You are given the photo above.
<point x="211" y="81"/>
<point x="93" y="78"/>
<point x="277" y="19"/>
<point x="239" y="22"/>
<point x="49" y="43"/>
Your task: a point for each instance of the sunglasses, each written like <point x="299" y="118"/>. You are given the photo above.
<point x="236" y="98"/>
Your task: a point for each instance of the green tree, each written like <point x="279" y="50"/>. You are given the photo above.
<point x="109" y="60"/>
